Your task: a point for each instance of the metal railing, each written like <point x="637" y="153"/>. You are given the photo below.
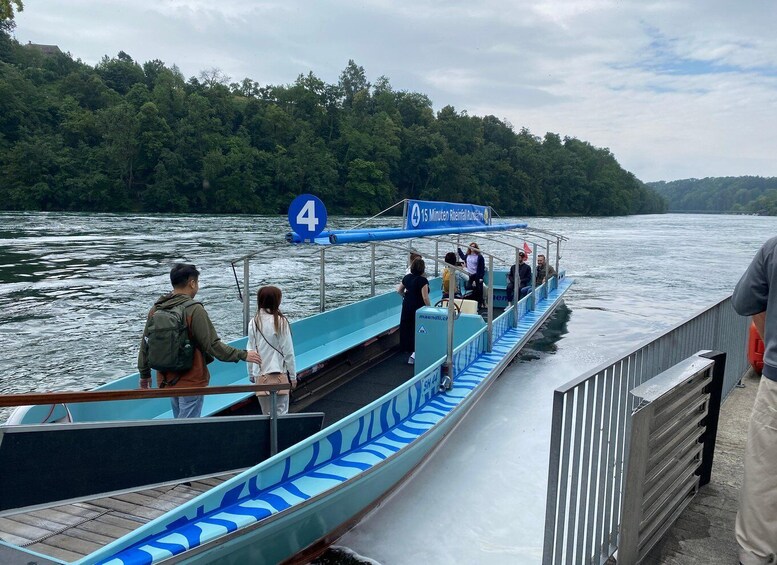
<point x="591" y="418"/>
<point x="671" y="444"/>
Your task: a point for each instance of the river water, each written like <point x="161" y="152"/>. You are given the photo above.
<point x="75" y="289"/>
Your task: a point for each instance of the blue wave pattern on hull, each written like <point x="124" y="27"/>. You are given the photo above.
<point x="352" y="448"/>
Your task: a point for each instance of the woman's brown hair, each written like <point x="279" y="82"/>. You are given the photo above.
<point x="268" y="298"/>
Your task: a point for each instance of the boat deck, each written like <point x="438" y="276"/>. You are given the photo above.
<point x="71" y="531"/>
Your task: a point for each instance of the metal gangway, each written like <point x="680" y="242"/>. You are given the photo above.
<point x="591" y="502"/>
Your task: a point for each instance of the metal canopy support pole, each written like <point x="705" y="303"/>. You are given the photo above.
<point x="436" y="256"/>
<point x="273" y="422"/>
<point x="490" y="302"/>
<point x="516" y="290"/>
<point x="372" y="270"/>
<point x="246" y="297"/>
<point x="558" y="254"/>
<point x="451" y="319"/>
<point x="322" y="281"/>
<point x="547" y="266"/>
<point x="533" y="275"/>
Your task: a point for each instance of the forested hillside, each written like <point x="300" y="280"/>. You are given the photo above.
<point x="124" y="136"/>
<point x="752" y="195"/>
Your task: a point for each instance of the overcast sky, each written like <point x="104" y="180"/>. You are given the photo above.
<point x="675" y="89"/>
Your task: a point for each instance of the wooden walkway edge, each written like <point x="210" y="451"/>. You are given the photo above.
<point x="71" y="531"/>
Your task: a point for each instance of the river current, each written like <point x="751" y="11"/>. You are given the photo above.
<point x="75" y="290"/>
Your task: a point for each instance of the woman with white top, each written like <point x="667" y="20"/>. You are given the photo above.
<point x="269" y="334"/>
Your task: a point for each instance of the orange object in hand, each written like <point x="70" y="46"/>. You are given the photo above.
<point x="755" y="350"/>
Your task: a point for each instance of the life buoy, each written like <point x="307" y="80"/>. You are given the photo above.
<point x="755" y="350"/>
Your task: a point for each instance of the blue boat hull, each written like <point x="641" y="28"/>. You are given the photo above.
<point x="305" y="497"/>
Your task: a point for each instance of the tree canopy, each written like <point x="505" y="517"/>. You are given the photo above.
<point x="124" y="136"/>
<point x="748" y="195"/>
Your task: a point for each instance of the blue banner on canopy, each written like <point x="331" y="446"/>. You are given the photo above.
<point x="423" y="214"/>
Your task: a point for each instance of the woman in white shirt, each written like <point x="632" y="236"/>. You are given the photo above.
<point x="269" y="334"/>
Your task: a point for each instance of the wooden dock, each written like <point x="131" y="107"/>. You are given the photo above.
<point x="71" y="531"/>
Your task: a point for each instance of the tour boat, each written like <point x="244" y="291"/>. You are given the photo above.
<point x="120" y="482"/>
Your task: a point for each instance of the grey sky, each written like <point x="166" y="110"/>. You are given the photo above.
<point x="674" y="89"/>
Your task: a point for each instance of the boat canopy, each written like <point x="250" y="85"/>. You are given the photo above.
<point x="360" y="235"/>
<point x="420" y="218"/>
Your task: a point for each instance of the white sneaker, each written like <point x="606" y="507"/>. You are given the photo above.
<point x="411" y="359"/>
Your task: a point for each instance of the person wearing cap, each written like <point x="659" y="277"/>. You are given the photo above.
<point x="524" y="278"/>
<point x="476" y="267"/>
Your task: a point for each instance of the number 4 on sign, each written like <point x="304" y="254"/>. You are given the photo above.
<point x="307" y="216"/>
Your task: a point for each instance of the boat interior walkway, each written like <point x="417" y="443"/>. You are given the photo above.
<point x="363" y="389"/>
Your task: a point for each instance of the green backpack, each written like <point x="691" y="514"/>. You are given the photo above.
<point x="169" y="346"/>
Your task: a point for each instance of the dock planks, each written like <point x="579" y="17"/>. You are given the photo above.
<point x="72" y="531"/>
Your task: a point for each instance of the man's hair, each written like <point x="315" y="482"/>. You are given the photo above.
<point x="540" y="255"/>
<point x="181" y="273"/>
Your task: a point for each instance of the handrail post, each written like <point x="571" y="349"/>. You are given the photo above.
<point x="372" y="270"/>
<point x="436" y="256"/>
<point x="533" y="275"/>
<point x="451" y="319"/>
<point x="322" y="281"/>
<point x="558" y="251"/>
<point x="490" y="306"/>
<point x="273" y="422"/>
<point x="516" y="290"/>
<point x="246" y="297"/>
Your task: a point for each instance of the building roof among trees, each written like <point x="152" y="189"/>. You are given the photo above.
<point x="45" y="49"/>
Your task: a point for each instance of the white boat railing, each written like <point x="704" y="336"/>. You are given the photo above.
<point x="519" y="307"/>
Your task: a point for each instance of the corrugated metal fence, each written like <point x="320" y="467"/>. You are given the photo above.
<point x="591" y="416"/>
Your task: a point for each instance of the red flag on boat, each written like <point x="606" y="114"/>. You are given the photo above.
<point x="526" y="248"/>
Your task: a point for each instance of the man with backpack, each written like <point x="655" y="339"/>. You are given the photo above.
<point x="179" y="341"/>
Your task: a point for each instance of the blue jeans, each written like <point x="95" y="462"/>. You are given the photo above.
<point x="187" y="406"/>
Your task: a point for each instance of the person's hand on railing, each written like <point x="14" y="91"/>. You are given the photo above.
<point x="145" y="383"/>
<point x="253" y="357"/>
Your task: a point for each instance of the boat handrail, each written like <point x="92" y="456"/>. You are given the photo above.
<point x="72" y="397"/>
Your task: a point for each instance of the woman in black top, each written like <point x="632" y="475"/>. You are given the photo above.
<point x="414" y="289"/>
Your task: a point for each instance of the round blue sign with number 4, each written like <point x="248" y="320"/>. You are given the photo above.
<point x="307" y="216"/>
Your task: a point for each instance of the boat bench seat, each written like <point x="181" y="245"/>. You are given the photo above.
<point x="326" y="335"/>
<point x="318" y="354"/>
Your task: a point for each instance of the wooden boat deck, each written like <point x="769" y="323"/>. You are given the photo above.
<point x="71" y="531"/>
